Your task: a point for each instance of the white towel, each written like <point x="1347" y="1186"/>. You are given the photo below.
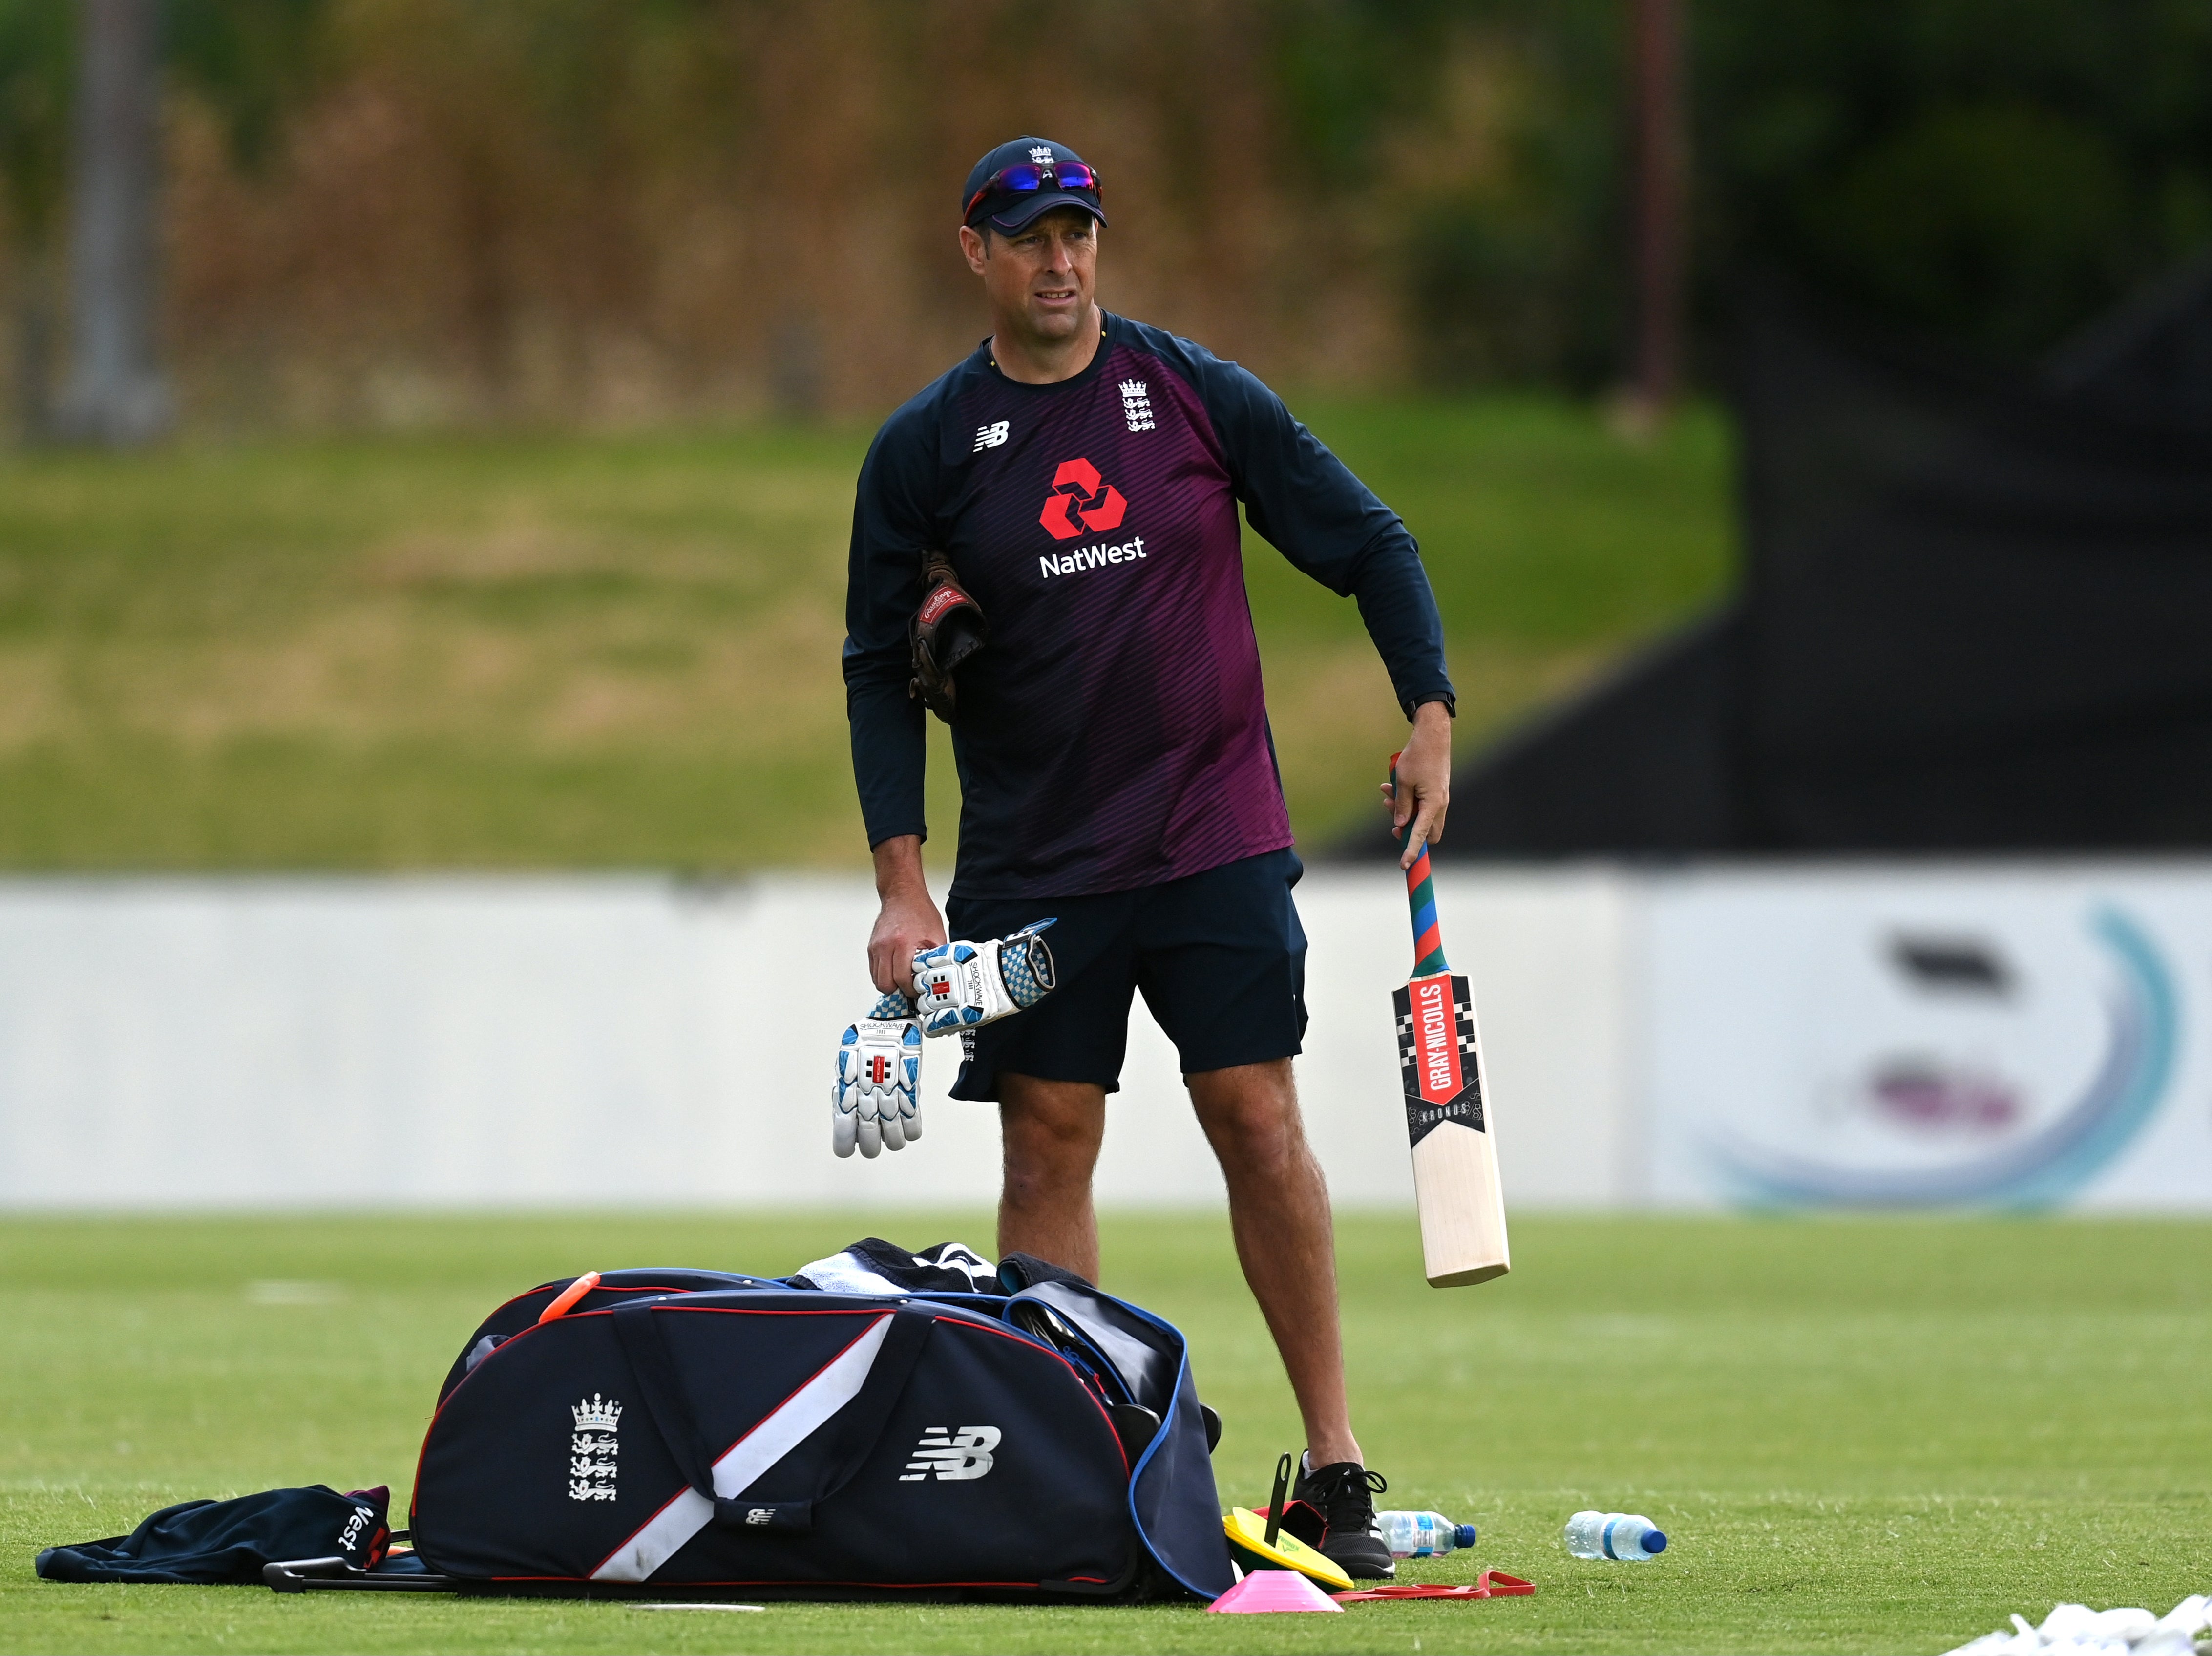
<point x="2126" y="1631"/>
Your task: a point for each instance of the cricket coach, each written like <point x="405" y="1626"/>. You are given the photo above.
<point x="1081" y="474"/>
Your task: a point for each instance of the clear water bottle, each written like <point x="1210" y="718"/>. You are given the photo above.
<point x="1614" y="1535"/>
<point x="1422" y="1535"/>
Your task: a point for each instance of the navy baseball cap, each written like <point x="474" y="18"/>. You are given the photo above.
<point x="1010" y="209"/>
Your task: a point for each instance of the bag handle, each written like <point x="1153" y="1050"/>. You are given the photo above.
<point x="855" y="1435"/>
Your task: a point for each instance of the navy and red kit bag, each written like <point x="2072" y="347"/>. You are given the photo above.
<point x="658" y="1431"/>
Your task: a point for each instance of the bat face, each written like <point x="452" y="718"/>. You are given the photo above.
<point x="1437" y="1054"/>
<point x="1455" y="1159"/>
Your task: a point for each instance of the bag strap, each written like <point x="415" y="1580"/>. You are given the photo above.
<point x="853" y="1436"/>
<point x="648" y="1351"/>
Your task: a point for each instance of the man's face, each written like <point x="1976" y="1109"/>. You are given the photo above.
<point x="1039" y="279"/>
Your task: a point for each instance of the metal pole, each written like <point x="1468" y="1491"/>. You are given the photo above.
<point x="116" y="394"/>
<point x="1661" y="162"/>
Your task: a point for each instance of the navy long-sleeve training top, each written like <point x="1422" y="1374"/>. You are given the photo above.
<point x="1113" y="733"/>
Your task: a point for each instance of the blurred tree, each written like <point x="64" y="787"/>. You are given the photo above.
<point x="1661" y="169"/>
<point x="116" y="393"/>
<point x="412" y="209"/>
<point x="1999" y="170"/>
<point x="1486" y="134"/>
<point x="37" y="61"/>
<point x="253" y="62"/>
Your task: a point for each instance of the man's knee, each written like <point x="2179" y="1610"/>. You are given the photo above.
<point x="1251" y="1112"/>
<point x="1051" y="1130"/>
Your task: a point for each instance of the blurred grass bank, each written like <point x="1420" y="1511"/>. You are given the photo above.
<point x="478" y="651"/>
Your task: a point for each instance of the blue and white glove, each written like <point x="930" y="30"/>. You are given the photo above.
<point x="875" y="1101"/>
<point x="963" y="986"/>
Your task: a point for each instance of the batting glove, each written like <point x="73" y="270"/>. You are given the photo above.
<point x="875" y="1101"/>
<point x="962" y="986"/>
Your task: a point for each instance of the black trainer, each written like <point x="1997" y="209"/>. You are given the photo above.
<point x="1346" y="1494"/>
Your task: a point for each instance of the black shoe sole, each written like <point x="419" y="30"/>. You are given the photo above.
<point x="1362" y="1557"/>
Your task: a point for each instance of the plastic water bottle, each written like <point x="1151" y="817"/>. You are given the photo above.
<point x="1422" y="1535"/>
<point x="1624" y="1536"/>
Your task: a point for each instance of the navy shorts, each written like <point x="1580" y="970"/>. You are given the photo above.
<point x="1219" y="957"/>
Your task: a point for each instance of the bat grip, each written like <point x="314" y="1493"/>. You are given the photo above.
<point x="1421" y="898"/>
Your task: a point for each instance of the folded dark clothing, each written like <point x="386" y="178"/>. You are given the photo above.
<point x="873" y="1265"/>
<point x="210" y="1542"/>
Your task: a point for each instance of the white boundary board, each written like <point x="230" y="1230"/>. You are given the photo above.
<point x="471" y="1041"/>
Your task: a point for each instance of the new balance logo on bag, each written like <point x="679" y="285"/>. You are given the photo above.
<point x="952" y="1455"/>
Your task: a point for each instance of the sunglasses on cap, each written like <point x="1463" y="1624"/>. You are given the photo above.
<point x="1025" y="177"/>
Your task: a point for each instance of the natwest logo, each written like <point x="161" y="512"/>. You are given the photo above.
<point x="1080" y="500"/>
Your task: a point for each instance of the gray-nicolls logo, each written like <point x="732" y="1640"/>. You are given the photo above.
<point x="989" y="436"/>
<point x="1136" y="405"/>
<point x="952" y="1456"/>
<point x="593" y="1449"/>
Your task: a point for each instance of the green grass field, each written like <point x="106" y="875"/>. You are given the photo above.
<point x="566" y="651"/>
<point x="1862" y="1435"/>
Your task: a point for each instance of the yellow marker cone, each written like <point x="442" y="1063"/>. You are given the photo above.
<point x="1247" y="1532"/>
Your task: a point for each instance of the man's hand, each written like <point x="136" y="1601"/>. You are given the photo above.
<point x="1424" y="789"/>
<point x="963" y="986"/>
<point x="908" y="923"/>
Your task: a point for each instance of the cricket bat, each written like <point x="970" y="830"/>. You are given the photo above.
<point x="1448" y="1106"/>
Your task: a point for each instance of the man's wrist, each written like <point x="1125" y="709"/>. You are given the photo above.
<point x="898" y="868"/>
<point x="1434" y="698"/>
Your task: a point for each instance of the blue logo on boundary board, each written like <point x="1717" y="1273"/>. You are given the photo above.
<point x="2119" y="1099"/>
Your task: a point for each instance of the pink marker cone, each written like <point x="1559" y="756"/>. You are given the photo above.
<point x="1271" y="1590"/>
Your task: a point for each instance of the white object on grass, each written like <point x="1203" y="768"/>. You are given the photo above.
<point x="2126" y="1631"/>
<point x="1629" y="1537"/>
<point x="688" y="1604"/>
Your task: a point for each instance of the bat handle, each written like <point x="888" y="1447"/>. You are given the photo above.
<point x="1421" y="899"/>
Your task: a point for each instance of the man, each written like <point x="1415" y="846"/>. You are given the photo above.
<point x="1081" y="473"/>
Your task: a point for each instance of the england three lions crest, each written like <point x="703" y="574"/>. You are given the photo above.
<point x="593" y="1448"/>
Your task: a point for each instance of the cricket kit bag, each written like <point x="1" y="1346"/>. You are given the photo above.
<point x="666" y="1431"/>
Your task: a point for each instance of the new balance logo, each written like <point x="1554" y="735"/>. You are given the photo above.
<point x="989" y="436"/>
<point x="953" y="1456"/>
<point x="1136" y="405"/>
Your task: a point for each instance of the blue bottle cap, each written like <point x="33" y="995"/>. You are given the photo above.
<point x="1655" y="1541"/>
<point x="1463" y="1535"/>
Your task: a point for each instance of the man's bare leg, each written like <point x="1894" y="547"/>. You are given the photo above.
<point x="1051" y="1132"/>
<point x="1278" y="1210"/>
